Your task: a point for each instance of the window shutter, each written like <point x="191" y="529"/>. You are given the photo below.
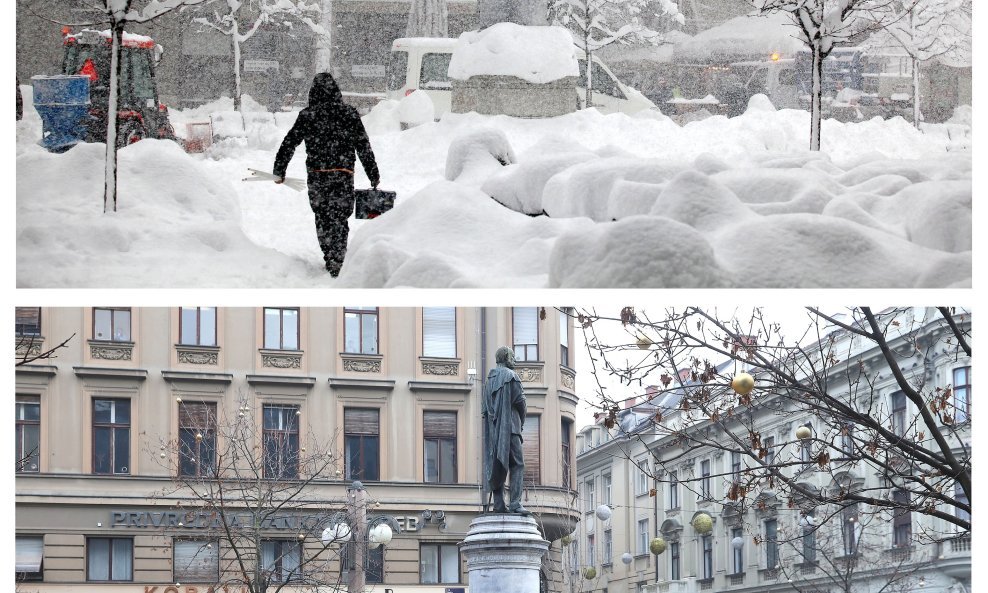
<point x="28" y="319"/>
<point x="526" y="329"/>
<point x="439" y="332"/>
<point x="439" y="425"/>
<point x="361" y="421"/>
<point x="29" y="553"/>
<point x="197" y="415"/>
<point x="531" y="450"/>
<point x="195" y="562"/>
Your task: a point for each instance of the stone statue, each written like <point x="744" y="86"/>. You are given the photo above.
<point x="504" y="417"/>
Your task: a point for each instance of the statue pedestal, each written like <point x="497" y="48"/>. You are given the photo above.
<point x="503" y="553"/>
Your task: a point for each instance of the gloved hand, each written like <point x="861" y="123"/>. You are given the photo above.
<point x="279" y="180"/>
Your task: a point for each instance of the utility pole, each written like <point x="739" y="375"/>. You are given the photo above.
<point x="358" y="510"/>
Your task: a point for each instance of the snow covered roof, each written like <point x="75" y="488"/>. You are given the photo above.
<point x="535" y="54"/>
<point x="129" y="39"/>
<point x="426" y="42"/>
<point x="747" y="35"/>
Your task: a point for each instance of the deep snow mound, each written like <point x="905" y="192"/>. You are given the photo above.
<point x="185" y="232"/>
<point x="478" y="154"/>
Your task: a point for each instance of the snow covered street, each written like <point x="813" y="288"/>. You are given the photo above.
<point x="630" y="202"/>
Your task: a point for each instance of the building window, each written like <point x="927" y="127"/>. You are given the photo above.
<point x="439" y="332"/>
<point x="707" y="545"/>
<point x="109" y="559"/>
<point x="809" y="543"/>
<point x="197" y="326"/>
<point x="564" y="337"/>
<point x="373" y="563"/>
<point x="360" y="330"/>
<point x="961" y="497"/>
<point x="591" y="557"/>
<point x="28" y="429"/>
<point x="608" y="546"/>
<point x="29" y="556"/>
<point x="566" y="428"/>
<point x="532" y="450"/>
<point x="281" y="328"/>
<point x="195" y="561"/>
<point x="439" y="430"/>
<point x="850" y="529"/>
<point x="111" y="324"/>
<point x="642" y="536"/>
<point x="847" y="439"/>
<point x="197" y="439"/>
<point x="641" y="484"/>
<point x="525" y="333"/>
<point x="737" y="552"/>
<point x="769" y="451"/>
<point x="282" y="560"/>
<point x="902" y="520"/>
<point x="281" y="454"/>
<point x="111" y="436"/>
<point x="962" y="394"/>
<point x="771" y="544"/>
<point x="736" y="466"/>
<point x="899" y="413"/>
<point x="361" y="427"/>
<point x="705" y="479"/>
<point x="673" y="490"/>
<point x="27" y="321"/>
<point x="674" y="561"/>
<point x="591" y="503"/>
<point x="607" y="489"/>
<point x="439" y="563"/>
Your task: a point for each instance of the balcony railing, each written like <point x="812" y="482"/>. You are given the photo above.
<point x="669" y="587"/>
<point x="961" y="544"/>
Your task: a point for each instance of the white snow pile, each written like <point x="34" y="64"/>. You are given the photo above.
<point x="416" y="109"/>
<point x="177" y="226"/>
<point x="535" y="54"/>
<point x="756" y="34"/>
<point x="631" y="202"/>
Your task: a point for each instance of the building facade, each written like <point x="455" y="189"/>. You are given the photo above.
<point x="106" y="425"/>
<point x="655" y="485"/>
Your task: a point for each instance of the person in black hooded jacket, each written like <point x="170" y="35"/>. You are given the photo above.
<point x="333" y="135"/>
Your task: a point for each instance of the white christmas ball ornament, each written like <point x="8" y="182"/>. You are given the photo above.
<point x="603" y="512"/>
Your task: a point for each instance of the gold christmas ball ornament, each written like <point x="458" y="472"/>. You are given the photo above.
<point x="643" y="341"/>
<point x="589" y="573"/>
<point x="743" y="383"/>
<point x="703" y="524"/>
<point x="803" y="433"/>
<point x="198" y="436"/>
<point x="657" y="546"/>
<point x="567" y="540"/>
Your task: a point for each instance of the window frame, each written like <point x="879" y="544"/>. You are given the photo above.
<point x="110" y="548"/>
<point x="211" y="544"/>
<point x="902" y="521"/>
<point x="208" y="432"/>
<point x="281" y="328"/>
<point x="641" y="481"/>
<point x="280" y="554"/>
<point x="19" y="327"/>
<point x="674" y="561"/>
<point x="527" y="347"/>
<point x="439" y="546"/>
<point x="707" y="555"/>
<point x="643" y="533"/>
<point x="673" y="490"/>
<point x="706" y="482"/>
<point x="113" y="427"/>
<point x="113" y="324"/>
<point x="898" y="412"/>
<point x="770" y="451"/>
<point x="198" y="328"/>
<point x="849" y="529"/>
<point x="439" y="440"/>
<point x="566" y="451"/>
<point x="361" y="313"/>
<point x="30" y="577"/>
<point x="608" y="546"/>
<point x="21" y="427"/>
<point x="361" y="438"/>
<point x="283" y="437"/>
<point x="564" y="336"/>
<point x="771" y="543"/>
<point x="962" y="413"/>
<point x="737" y="554"/>
<point x="532" y="449"/>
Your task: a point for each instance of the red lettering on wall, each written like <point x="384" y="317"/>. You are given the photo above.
<point x="171" y="590"/>
<point x="149" y="589"/>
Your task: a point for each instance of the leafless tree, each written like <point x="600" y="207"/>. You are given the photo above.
<point x="258" y="491"/>
<point x="30" y="349"/>
<point x="859" y="451"/>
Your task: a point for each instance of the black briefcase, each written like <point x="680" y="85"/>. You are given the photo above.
<point x="372" y="203"/>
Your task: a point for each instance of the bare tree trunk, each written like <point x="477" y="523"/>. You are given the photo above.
<point x="324" y="43"/>
<point x="815" y="107"/>
<point x="916" y="112"/>
<point x="110" y="172"/>
<point x="237" y="87"/>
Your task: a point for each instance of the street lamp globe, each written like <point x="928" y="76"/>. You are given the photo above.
<point x="337" y="533"/>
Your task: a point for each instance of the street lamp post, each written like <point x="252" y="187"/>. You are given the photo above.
<point x="366" y="533"/>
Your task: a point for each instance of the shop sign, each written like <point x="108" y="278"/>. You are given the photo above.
<point x="193" y="589"/>
<point x="367" y="71"/>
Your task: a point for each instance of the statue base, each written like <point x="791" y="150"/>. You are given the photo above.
<point x="503" y="553"/>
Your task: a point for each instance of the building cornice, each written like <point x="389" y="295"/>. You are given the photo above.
<point x="432" y="386"/>
<point x="46" y="370"/>
<point x="352" y="383"/>
<point x="197" y="377"/>
<point x="111" y="373"/>
<point x="290" y="380"/>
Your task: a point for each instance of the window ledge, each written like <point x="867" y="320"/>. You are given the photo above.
<point x="355" y="362"/>
<point x="439" y="386"/>
<point x="300" y="381"/>
<point x="281" y="359"/>
<point x="191" y="376"/>
<point x="198" y="355"/>
<point x="442" y="367"/>
<point x="139" y="374"/>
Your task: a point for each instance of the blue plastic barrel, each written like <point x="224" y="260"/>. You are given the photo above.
<point x="63" y="104"/>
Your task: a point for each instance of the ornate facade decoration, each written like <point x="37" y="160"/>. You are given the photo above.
<point x="362" y="365"/>
<point x="529" y="373"/>
<point x="444" y="368"/>
<point x="568" y="379"/>
<point x="281" y="360"/>
<point x="200" y="356"/>
<point x="28" y="346"/>
<point x="111" y="351"/>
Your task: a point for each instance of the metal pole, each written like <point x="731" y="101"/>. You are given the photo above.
<point x="358" y="511"/>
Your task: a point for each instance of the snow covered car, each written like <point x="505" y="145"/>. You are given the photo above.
<point x="422" y="64"/>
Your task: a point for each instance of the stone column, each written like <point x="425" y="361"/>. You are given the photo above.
<point x="504" y="553"/>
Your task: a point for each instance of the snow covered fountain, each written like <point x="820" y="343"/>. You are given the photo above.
<point x="518" y="70"/>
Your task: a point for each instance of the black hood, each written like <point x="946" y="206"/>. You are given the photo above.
<point x="324" y="91"/>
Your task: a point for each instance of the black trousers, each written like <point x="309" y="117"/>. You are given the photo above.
<point x="331" y="199"/>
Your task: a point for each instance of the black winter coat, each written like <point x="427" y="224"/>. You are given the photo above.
<point x="332" y="132"/>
